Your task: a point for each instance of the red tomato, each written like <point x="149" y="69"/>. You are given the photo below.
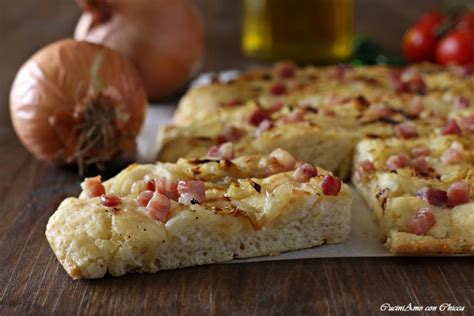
<point x="419" y="44"/>
<point x="466" y="23"/>
<point x="430" y="20"/>
<point x="456" y="48"/>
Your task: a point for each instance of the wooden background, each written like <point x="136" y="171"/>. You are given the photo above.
<point x="33" y="282"/>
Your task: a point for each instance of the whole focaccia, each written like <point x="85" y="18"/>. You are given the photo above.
<point x="194" y="212"/>
<point x="322" y="115"/>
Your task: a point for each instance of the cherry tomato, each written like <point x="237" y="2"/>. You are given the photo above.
<point x="430" y="20"/>
<point x="466" y="23"/>
<point x="419" y="44"/>
<point x="456" y="48"/>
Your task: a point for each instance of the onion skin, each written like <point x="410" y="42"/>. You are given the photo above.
<point x="51" y="88"/>
<point x="164" y="39"/>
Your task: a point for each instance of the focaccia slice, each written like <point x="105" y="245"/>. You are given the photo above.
<point x="325" y="135"/>
<point x="321" y="143"/>
<point x="424" y="85"/>
<point x="166" y="216"/>
<point x="421" y="190"/>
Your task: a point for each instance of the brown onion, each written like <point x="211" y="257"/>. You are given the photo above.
<point x="163" y="38"/>
<point x="77" y="102"/>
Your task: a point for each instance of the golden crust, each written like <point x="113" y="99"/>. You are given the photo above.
<point x="404" y="243"/>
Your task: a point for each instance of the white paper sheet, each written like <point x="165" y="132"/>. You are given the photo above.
<point x="363" y="240"/>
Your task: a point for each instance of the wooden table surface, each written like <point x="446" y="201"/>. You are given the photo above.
<point x="33" y="282"/>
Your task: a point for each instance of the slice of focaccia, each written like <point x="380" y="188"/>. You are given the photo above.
<point x="200" y="211"/>
<point x="421" y="190"/>
<point x="325" y="135"/>
<point x="322" y="142"/>
<point x="423" y="85"/>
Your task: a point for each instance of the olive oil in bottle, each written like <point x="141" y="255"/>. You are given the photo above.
<point x="300" y="30"/>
